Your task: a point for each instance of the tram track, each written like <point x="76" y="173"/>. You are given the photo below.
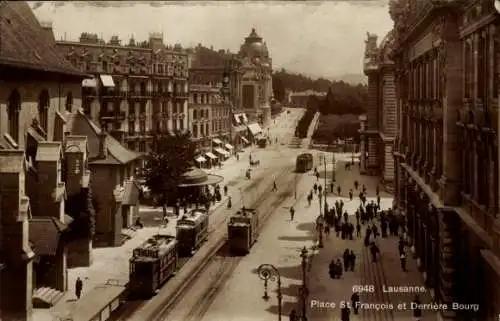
<point x="227" y="264"/>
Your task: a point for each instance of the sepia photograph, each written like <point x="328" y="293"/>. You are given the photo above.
<point x="280" y="160"/>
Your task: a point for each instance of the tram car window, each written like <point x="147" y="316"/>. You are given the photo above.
<point x="242" y="230"/>
<point x="151" y="264"/>
<point x="304" y="163"/>
<point x="192" y="231"/>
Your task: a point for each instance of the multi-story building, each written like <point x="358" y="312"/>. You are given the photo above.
<point x="38" y="87"/>
<point x="379" y="124"/>
<point x="447" y="58"/>
<point x="210" y="122"/>
<point x="138" y="88"/>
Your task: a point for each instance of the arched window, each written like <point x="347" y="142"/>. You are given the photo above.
<point x="69" y="101"/>
<point x="43" y="109"/>
<point x="13" y="109"/>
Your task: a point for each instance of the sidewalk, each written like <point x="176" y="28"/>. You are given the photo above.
<point x="386" y="272"/>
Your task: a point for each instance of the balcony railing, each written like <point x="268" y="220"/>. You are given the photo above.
<point x="139" y="94"/>
<point x="112" y="115"/>
<point x="181" y="95"/>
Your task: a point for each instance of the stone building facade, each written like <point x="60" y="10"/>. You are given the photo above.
<point x="138" y="88"/>
<point x="379" y="130"/>
<point x="38" y="88"/>
<point x="446" y="56"/>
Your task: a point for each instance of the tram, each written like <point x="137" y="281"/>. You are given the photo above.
<point x="304" y="163"/>
<point x="151" y="264"/>
<point x="192" y="231"/>
<point x="242" y="230"/>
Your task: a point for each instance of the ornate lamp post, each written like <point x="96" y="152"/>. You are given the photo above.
<point x="270" y="272"/>
<point x="304" y="292"/>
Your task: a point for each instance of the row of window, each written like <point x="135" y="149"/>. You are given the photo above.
<point x="220" y="125"/>
<point x="202" y="113"/>
<point x="109" y="67"/>
<point x="14" y="103"/>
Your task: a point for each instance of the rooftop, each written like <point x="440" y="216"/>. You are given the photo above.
<point x="25" y="43"/>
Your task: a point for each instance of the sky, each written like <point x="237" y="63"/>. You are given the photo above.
<point x="316" y="38"/>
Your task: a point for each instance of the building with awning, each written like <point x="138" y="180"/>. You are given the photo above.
<point x="229" y="146"/>
<point x="200" y="159"/>
<point x="217" y="141"/>
<point x="221" y="151"/>
<point x="245" y="140"/>
<point x="211" y="156"/>
<point x="89" y="83"/>
<point x="107" y="81"/>
<point x="254" y="129"/>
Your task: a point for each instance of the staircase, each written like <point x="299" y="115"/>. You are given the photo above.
<point x="45" y="297"/>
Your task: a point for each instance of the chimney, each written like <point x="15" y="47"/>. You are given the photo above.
<point x="103" y="150"/>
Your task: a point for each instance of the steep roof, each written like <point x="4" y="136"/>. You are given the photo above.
<point x="79" y="124"/>
<point x="25" y="44"/>
<point x="44" y="234"/>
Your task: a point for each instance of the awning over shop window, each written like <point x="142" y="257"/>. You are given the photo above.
<point x="217" y="141"/>
<point x="255" y="129"/>
<point x="244" y="140"/>
<point x="221" y="151"/>
<point x="89" y="83"/>
<point x="107" y="81"/>
<point x="200" y="159"/>
<point x="210" y="155"/>
<point x="240" y="128"/>
<point x="229" y="146"/>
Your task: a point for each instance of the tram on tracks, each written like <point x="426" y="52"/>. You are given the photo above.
<point x="192" y="231"/>
<point x="242" y="230"/>
<point x="304" y="163"/>
<point x="151" y="264"/>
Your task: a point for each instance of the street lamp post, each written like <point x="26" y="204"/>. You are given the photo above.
<point x="304" y="291"/>
<point x="268" y="272"/>
<point x="319" y="227"/>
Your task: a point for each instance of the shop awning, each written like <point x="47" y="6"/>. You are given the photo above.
<point x="210" y="155"/>
<point x="221" y="151"/>
<point x="217" y="141"/>
<point x="244" y="140"/>
<point x="107" y="81"/>
<point x="255" y="129"/>
<point x="89" y="83"/>
<point x="229" y="146"/>
<point x="240" y="128"/>
<point x="200" y="159"/>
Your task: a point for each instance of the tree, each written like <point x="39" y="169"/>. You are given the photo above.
<point x="171" y="156"/>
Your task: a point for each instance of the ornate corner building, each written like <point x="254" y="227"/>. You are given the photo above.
<point x="378" y="126"/>
<point x="139" y="88"/>
<point x="447" y="65"/>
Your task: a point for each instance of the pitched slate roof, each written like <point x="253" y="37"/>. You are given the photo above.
<point x="79" y="124"/>
<point x="44" y="234"/>
<point x="25" y="44"/>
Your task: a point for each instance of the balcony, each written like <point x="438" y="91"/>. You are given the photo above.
<point x="109" y="94"/>
<point x="139" y="94"/>
<point x="181" y="95"/>
<point x="112" y="115"/>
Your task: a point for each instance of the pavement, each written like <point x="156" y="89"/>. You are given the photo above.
<point x="100" y="273"/>
<point x="280" y="242"/>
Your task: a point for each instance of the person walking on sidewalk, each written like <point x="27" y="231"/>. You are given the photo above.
<point x="345" y="313"/>
<point x="225" y="190"/>
<point x="347" y="257"/>
<point x="356" y="185"/>
<point x="401" y="246"/>
<point x="315" y="187"/>
<point x="374" y="250"/>
<point x="320" y="189"/>
<point x="293" y="315"/>
<point x="275" y="187"/>
<point x="355" y="302"/>
<point x="417" y="311"/>
<point x="292" y="213"/>
<point x="352" y="260"/>
<point x="331" y="186"/>
<point x="338" y="190"/>
<point x="402" y="258"/>
<point x="358" y="230"/>
<point x="350" y="195"/>
<point x="78" y="288"/>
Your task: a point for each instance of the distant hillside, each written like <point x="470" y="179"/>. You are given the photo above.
<point x="353" y="79"/>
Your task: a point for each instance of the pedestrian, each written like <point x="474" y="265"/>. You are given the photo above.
<point x="237" y="156"/>
<point x="350" y="194"/>
<point x="78" y="288"/>
<point x="356" y="184"/>
<point x="345" y="313"/>
<point x="374" y="252"/>
<point x="229" y="202"/>
<point x="332" y="269"/>
<point x="293" y="315"/>
<point x="331" y="186"/>
<point x="338" y="190"/>
<point x="346" y="257"/>
<point x="355" y="302"/>
<point x="351" y="231"/>
<point x="352" y="259"/>
<point x="320" y="189"/>
<point x="315" y="187"/>
<point x="327" y="229"/>
<point x="317" y="176"/>
<point x="377" y="190"/>
<point x="358" y="230"/>
<point x="292" y="213"/>
<point x="401" y="246"/>
<point x="378" y="201"/>
<point x="417" y="311"/>
<point x="346" y="217"/>
<point x="225" y="190"/>
<point x="339" y="268"/>
<point x="275" y="188"/>
<point x="402" y="258"/>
